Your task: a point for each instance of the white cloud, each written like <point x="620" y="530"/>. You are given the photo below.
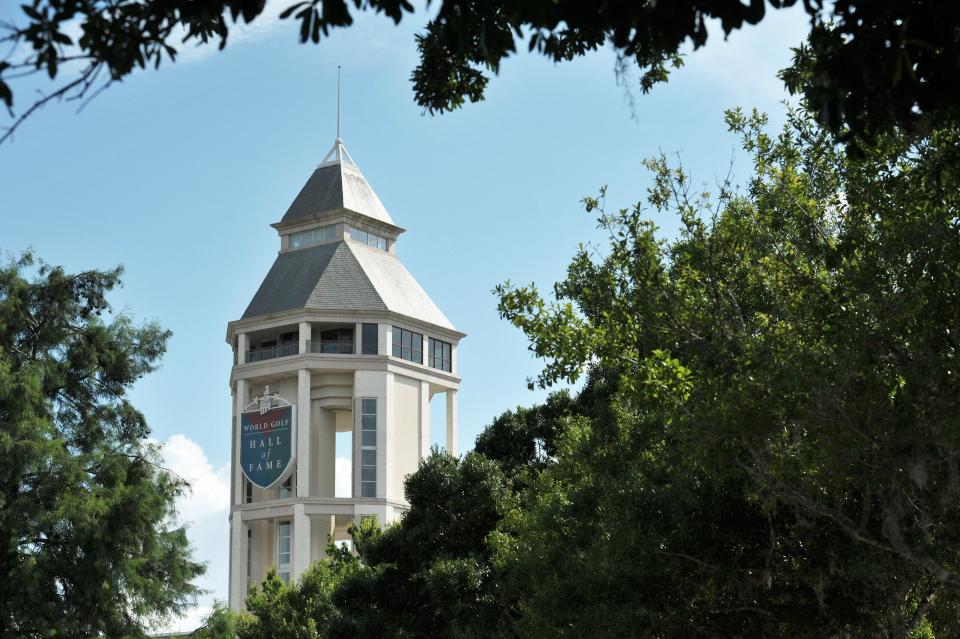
<point x="204" y="509"/>
<point x="209" y="492"/>
<point x="744" y="66"/>
<point x="261" y="27"/>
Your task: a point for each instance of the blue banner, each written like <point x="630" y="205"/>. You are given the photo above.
<point x="266" y="445"/>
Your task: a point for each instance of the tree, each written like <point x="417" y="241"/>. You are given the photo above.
<point x="430" y="574"/>
<point x="781" y="452"/>
<point x="221" y="623"/>
<point x="869" y="66"/>
<point x="86" y="545"/>
<point x="301" y="610"/>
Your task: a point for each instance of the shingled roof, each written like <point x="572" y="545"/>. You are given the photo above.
<point x="343" y="276"/>
<point x="336" y="185"/>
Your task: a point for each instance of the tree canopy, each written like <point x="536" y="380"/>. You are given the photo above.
<point x="765" y="443"/>
<point x="868" y="66"/>
<point x="86" y="542"/>
<point x="783" y="452"/>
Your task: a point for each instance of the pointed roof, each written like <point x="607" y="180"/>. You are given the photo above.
<point x="343" y="276"/>
<point x="335" y="185"/>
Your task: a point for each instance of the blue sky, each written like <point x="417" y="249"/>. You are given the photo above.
<point x="177" y="173"/>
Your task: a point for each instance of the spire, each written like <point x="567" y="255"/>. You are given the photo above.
<point x="337" y="155"/>
<point x="337" y="185"/>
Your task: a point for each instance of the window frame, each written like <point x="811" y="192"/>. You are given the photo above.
<point x="368" y="346"/>
<point x="285" y="575"/>
<point x="407" y="344"/>
<point x="312" y="237"/>
<point x="444" y="361"/>
<point x="249" y="556"/>
<point x="286" y="489"/>
<point x="369" y="238"/>
<point x="368" y="446"/>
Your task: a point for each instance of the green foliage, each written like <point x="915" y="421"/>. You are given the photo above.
<point x="867" y="67"/>
<point x="86" y="547"/>
<point x="780" y="455"/>
<point x="766" y="443"/>
<point x="430" y="575"/>
<point x="303" y="610"/>
<point x="219" y="624"/>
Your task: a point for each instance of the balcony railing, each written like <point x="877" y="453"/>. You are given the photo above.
<point x="330" y="346"/>
<point x="272" y="352"/>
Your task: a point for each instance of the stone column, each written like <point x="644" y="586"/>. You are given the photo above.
<point x="304" y="336"/>
<point x="452" y="422"/>
<point x="303" y="432"/>
<point x="385" y="435"/>
<point x="331" y="520"/>
<point x="240" y="400"/>
<point x="357" y="338"/>
<point x="243" y="346"/>
<point x="301" y="542"/>
<point x="385" y="339"/>
<point x="238" y="561"/>
<point x="424" y="426"/>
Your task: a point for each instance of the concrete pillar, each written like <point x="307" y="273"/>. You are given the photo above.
<point x="323" y="453"/>
<point x="238" y="562"/>
<point x="304" y="335"/>
<point x="303" y="432"/>
<point x="357" y="338"/>
<point x="301" y="542"/>
<point x="385" y="435"/>
<point x="385" y="339"/>
<point x="243" y="345"/>
<point x="452" y="422"/>
<point x="331" y="529"/>
<point x="240" y="400"/>
<point x="424" y="426"/>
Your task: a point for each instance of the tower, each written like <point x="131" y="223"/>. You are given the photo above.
<point x="339" y="342"/>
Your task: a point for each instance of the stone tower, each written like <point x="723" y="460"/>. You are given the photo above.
<point x="339" y="339"/>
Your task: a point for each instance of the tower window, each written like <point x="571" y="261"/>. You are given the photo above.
<point x="247" y="491"/>
<point x="286" y="489"/>
<point x="407" y="345"/>
<point x="371" y="338"/>
<point x="441" y="355"/>
<point x="283" y="551"/>
<point x="370" y="239"/>
<point x="368" y="447"/>
<point x="312" y="237"/>
<point x="249" y="556"/>
<point x="337" y="340"/>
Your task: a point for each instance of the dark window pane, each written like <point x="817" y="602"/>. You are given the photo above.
<point x="368" y="458"/>
<point x="368" y="422"/>
<point x="368" y="489"/>
<point x="371" y="336"/>
<point x="369" y="438"/>
<point x="368" y="473"/>
<point x="368" y="407"/>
